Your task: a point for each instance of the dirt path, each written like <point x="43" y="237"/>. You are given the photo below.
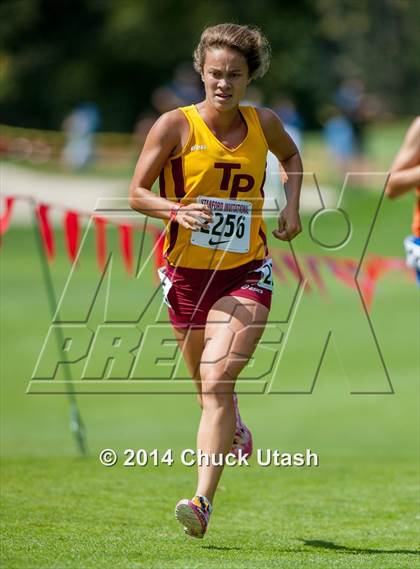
<point x="64" y="190"/>
<point x="82" y="193"/>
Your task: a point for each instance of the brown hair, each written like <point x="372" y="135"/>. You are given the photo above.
<point x="249" y="41"/>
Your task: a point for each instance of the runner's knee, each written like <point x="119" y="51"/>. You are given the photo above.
<point x="216" y="400"/>
<point x="217" y="389"/>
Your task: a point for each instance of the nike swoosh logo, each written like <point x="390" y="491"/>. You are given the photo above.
<point x="211" y="242"/>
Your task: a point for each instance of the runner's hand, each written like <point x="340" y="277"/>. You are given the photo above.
<point x="288" y="224"/>
<point x="194" y="216"/>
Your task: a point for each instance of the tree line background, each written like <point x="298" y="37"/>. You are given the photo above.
<point x="56" y="53"/>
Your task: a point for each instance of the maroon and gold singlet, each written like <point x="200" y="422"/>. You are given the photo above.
<point x="230" y="182"/>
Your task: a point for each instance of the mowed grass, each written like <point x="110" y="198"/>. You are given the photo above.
<point x="67" y="512"/>
<point x="359" y="508"/>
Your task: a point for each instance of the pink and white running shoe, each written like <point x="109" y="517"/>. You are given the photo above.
<point x="194" y="515"/>
<point x="242" y="441"/>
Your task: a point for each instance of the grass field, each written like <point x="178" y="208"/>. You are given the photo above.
<point x="358" y="509"/>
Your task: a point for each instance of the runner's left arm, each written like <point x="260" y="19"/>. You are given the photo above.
<point x="283" y="147"/>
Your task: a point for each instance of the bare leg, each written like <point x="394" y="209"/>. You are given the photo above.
<point x="191" y="343"/>
<point x="231" y="336"/>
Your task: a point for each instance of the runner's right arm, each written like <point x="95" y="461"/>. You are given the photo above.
<point x="163" y="140"/>
<point x="405" y="170"/>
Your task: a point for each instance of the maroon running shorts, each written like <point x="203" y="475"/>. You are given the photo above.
<point x="191" y="293"/>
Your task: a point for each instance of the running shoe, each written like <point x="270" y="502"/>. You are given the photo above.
<point x="194" y="515"/>
<point x="242" y="441"/>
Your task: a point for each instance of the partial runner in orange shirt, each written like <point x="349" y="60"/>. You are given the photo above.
<point x="405" y="177"/>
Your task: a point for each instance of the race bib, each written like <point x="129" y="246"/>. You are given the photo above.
<point x="166" y="285"/>
<point x="412" y="250"/>
<point x="266" y="270"/>
<point x="231" y="226"/>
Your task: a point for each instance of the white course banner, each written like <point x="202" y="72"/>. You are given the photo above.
<point x="231" y="226"/>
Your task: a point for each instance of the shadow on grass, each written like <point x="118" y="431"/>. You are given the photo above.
<point x="217" y="548"/>
<point x="345" y="549"/>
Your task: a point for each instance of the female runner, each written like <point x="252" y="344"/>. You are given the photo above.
<point x="404" y="177"/>
<point x="210" y="159"/>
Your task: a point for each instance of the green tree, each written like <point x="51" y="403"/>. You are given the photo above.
<point x="55" y="54"/>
